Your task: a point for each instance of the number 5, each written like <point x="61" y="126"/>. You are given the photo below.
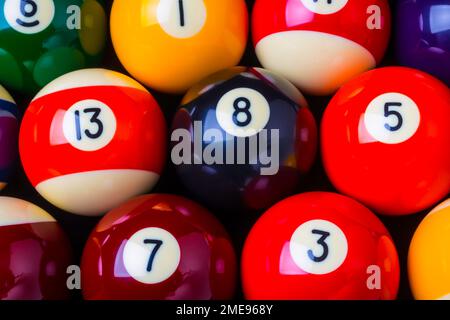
<point x="388" y="112"/>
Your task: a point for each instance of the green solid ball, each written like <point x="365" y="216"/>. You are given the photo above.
<point x="41" y="40"/>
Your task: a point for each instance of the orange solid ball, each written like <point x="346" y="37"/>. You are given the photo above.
<point x="170" y="45"/>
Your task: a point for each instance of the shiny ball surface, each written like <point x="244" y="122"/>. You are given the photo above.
<point x="34" y="253"/>
<point x="159" y="247"/>
<point x="170" y="45"/>
<point x="92" y="139"/>
<point x="429" y="256"/>
<point x="385" y="139"/>
<point x="9" y="132"/>
<point x="320" y="45"/>
<point x="242" y="139"/>
<point x="319" y="246"/>
<point x="423" y="36"/>
<point x="41" y="40"/>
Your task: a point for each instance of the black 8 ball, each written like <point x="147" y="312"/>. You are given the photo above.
<point x="242" y="139"/>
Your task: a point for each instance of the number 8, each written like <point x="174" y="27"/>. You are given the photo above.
<point x="239" y="108"/>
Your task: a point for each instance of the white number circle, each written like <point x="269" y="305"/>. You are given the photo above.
<point x="89" y="125"/>
<point x="324" y="6"/>
<point x="151" y="255"/>
<point x="29" y="16"/>
<point x="318" y="247"/>
<point x="243" y="112"/>
<point x="392" y="118"/>
<point x="181" y="18"/>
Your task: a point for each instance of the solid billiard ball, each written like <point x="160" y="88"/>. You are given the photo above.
<point x="242" y="138"/>
<point x="34" y="253"/>
<point x="385" y="140"/>
<point x="9" y="131"/>
<point x="317" y="44"/>
<point x="429" y="256"/>
<point x="319" y="246"/>
<point x="170" y="45"/>
<point x="158" y="247"/>
<point x="423" y="36"/>
<point x="41" y="40"/>
<point x="91" y="140"/>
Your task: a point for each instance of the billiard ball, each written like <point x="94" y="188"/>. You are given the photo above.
<point x="34" y="253"/>
<point x="429" y="256"/>
<point x="41" y="40"/>
<point x="319" y="246"/>
<point x="176" y="43"/>
<point x="91" y="140"/>
<point x="319" y="45"/>
<point x="9" y="131"/>
<point x="385" y="139"/>
<point x="242" y="138"/>
<point x="158" y="247"/>
<point x="423" y="36"/>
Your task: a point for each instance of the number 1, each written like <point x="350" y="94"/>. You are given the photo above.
<point x="158" y="244"/>
<point x="181" y="7"/>
<point x="78" y="125"/>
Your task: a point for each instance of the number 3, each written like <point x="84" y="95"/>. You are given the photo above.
<point x="317" y="251"/>
<point x="324" y="235"/>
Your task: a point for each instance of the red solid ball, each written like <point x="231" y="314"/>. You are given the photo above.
<point x="386" y="138"/>
<point x="34" y="253"/>
<point x="320" y="246"/>
<point x="159" y="247"/>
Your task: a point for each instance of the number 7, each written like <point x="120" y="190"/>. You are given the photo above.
<point x="158" y="244"/>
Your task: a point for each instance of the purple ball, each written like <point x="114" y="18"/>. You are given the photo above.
<point x="423" y="36"/>
<point x="9" y="131"/>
